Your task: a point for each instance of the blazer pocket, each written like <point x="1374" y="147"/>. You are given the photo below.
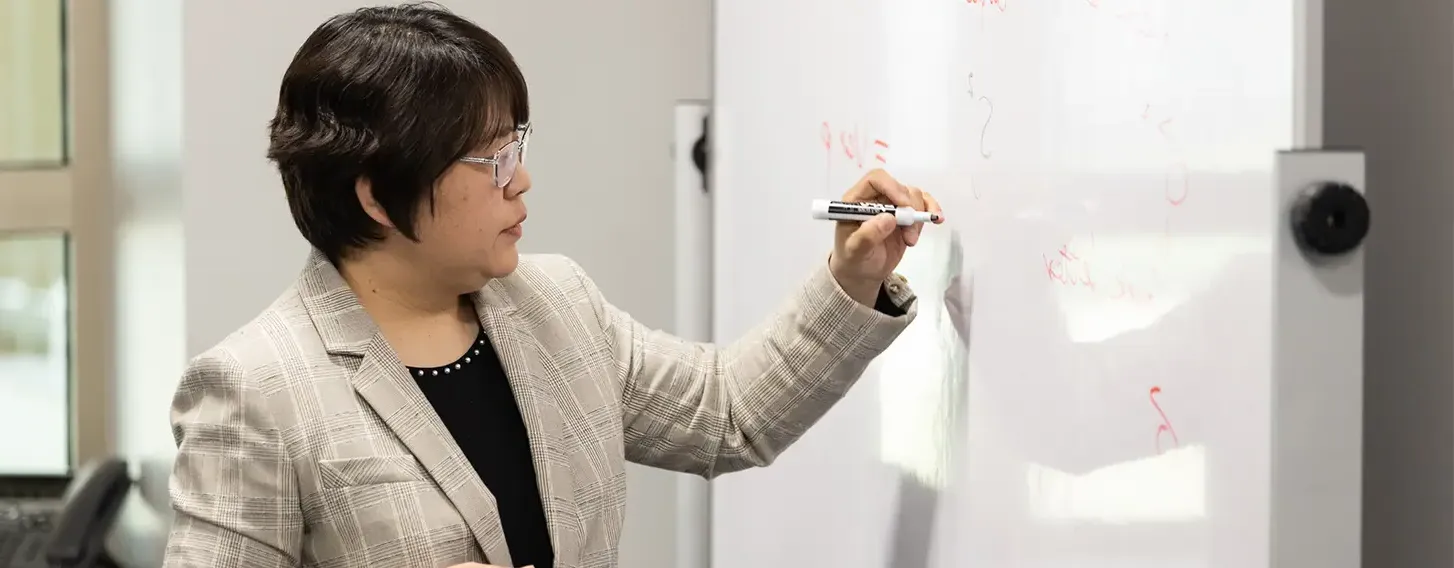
<point x="370" y="470"/>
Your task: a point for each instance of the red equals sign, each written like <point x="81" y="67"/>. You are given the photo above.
<point x="883" y="147"/>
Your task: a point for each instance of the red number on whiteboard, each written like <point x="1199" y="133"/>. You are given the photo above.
<point x="1165" y="426"/>
<point x="855" y="145"/>
<point x="1177" y="183"/>
<point x="996" y="3"/>
<point x="851" y="148"/>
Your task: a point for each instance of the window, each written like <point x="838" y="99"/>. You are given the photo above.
<point x="34" y="353"/>
<point x="32" y="84"/>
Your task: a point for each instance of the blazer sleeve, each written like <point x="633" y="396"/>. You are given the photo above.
<point x="233" y="487"/>
<point x="707" y="410"/>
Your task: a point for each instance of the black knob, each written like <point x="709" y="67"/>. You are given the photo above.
<point x="699" y="152"/>
<point x="1330" y="219"/>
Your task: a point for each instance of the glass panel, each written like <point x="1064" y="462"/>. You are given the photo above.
<point x="35" y="343"/>
<point x="32" y="83"/>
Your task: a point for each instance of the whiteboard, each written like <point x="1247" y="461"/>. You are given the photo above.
<point x="1090" y="378"/>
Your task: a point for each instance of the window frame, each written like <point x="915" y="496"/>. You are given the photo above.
<point x="73" y="197"/>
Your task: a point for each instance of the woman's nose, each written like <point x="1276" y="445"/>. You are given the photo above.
<point x="520" y="183"/>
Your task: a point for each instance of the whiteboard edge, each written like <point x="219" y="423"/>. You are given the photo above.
<point x="1317" y="384"/>
<point x="693" y="303"/>
<point x="1308" y="73"/>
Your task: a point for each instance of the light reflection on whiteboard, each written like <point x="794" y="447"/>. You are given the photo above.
<point x="1170" y="487"/>
<point x="923" y="372"/>
<point x="1171" y="269"/>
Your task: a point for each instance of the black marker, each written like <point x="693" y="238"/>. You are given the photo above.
<point x="846" y="211"/>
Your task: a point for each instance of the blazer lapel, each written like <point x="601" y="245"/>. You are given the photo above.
<point x="386" y="386"/>
<point x="520" y="354"/>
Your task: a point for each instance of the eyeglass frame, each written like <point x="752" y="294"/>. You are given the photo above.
<point x="521" y="142"/>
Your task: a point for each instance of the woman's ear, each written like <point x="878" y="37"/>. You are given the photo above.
<point x="364" y="189"/>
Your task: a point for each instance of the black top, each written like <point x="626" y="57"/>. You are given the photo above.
<point x="885" y="305"/>
<point x="473" y="399"/>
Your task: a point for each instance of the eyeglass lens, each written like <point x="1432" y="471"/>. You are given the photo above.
<point x="505" y="166"/>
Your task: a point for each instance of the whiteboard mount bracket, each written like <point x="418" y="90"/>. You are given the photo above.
<point x="701" y="150"/>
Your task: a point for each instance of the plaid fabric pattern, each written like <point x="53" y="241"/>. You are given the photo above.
<point x="303" y="441"/>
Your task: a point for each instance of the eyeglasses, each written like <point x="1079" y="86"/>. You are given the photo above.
<point x="507" y="158"/>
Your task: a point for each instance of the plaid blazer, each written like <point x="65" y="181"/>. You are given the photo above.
<point x="302" y="440"/>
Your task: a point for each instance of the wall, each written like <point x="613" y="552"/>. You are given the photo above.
<point x="205" y="240"/>
<point x="1389" y="87"/>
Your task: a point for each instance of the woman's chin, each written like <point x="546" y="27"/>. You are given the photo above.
<point x="505" y="262"/>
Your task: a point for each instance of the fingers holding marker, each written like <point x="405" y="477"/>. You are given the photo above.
<point x="916" y="198"/>
<point x="879" y="198"/>
<point x="916" y="202"/>
<point x="932" y="206"/>
<point x="878" y="185"/>
<point x="870" y="234"/>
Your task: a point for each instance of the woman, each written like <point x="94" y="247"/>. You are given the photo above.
<point x="423" y="395"/>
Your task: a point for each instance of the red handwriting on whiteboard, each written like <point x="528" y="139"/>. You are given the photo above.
<point x="1165" y="426"/>
<point x="1177" y="182"/>
<point x="1069" y="266"/>
<point x="1162" y="121"/>
<point x="1125" y="290"/>
<point x="996" y="3"/>
<point x="854" y="145"/>
<point x="989" y="115"/>
<point x="825" y="135"/>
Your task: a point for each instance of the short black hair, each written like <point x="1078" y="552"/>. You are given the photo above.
<point x="393" y="94"/>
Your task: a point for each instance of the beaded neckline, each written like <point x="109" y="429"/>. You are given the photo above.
<point x="466" y="359"/>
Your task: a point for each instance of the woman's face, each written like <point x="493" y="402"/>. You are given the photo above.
<point x="472" y="233"/>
